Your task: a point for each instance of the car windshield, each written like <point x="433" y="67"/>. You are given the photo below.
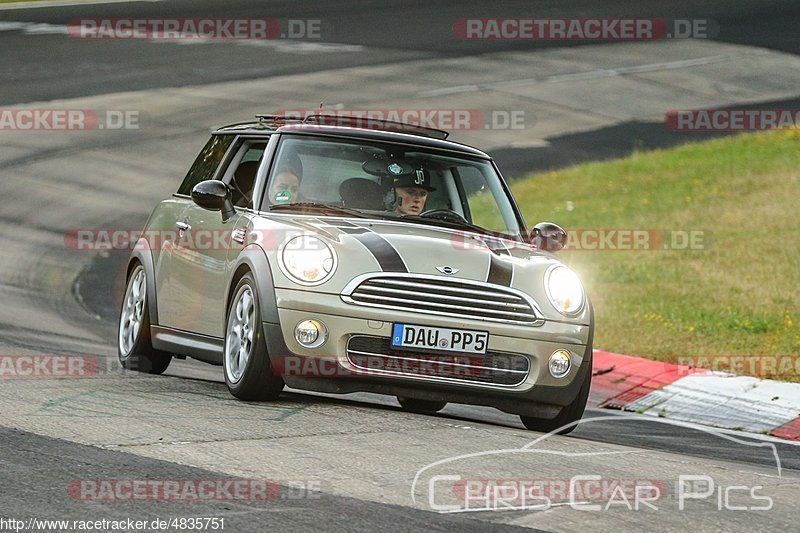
<point x="390" y="181"/>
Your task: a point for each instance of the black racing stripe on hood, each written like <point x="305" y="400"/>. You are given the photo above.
<point x="319" y="227"/>
<point x="354" y="230"/>
<point x="344" y="223"/>
<point x="344" y="226"/>
<point x="383" y="251"/>
<point x="387" y="256"/>
<point x="500" y="272"/>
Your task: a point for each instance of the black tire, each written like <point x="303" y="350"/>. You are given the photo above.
<point x="254" y="380"/>
<point x="134" y="347"/>
<point x="568" y="414"/>
<point x="420" y="406"/>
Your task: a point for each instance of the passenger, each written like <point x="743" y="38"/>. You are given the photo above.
<point x="285" y="188"/>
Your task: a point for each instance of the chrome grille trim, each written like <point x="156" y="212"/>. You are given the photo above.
<point x="438" y="295"/>
<point x="419" y="303"/>
<point x="382" y="281"/>
<point x="446" y="297"/>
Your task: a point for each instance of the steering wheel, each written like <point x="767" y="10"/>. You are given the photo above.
<point x="445" y="214"/>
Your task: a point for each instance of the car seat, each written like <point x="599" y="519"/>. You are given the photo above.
<point x="361" y="193"/>
<point x="244" y="179"/>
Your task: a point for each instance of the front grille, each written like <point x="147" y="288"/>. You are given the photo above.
<point x="478" y="301"/>
<point x="376" y="355"/>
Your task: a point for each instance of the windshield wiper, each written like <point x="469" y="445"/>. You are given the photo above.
<point x="458" y="225"/>
<point x="318" y="207"/>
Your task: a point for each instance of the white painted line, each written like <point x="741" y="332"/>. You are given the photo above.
<point x="451" y="90"/>
<point x="594" y="74"/>
<point x="633" y="69"/>
<point x="12" y="26"/>
<point x="33" y="28"/>
<point x="577" y="76"/>
<point x="42" y="28"/>
<point x="530" y="143"/>
<point x="300" y="47"/>
<point x="279" y="45"/>
<point x="66" y="3"/>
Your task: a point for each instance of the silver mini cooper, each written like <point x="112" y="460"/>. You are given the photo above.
<point x="339" y="257"/>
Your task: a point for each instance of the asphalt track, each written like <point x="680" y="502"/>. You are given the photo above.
<point x="362" y="449"/>
<point x="392" y="31"/>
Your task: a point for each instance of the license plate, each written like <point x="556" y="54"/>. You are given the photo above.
<point x="441" y="339"/>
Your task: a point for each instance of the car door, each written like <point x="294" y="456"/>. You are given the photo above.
<point x="173" y="288"/>
<point x="199" y="258"/>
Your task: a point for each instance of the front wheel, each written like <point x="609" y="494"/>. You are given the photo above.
<point x="568" y="414"/>
<point x="420" y="406"/>
<point x="133" y="335"/>
<point x="246" y="362"/>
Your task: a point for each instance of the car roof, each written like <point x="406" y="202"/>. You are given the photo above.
<point x="418" y="137"/>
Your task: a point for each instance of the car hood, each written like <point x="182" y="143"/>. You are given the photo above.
<point x="369" y="246"/>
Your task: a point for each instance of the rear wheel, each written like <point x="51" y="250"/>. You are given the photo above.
<point x="133" y="335"/>
<point x="248" y="374"/>
<point x="568" y="414"/>
<point x="420" y="406"/>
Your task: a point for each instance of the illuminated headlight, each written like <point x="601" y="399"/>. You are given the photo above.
<point x="308" y="260"/>
<point x="559" y="364"/>
<point x="310" y="333"/>
<point x="564" y="290"/>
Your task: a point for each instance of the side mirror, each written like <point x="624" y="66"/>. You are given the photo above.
<point x="214" y="196"/>
<point x="548" y="236"/>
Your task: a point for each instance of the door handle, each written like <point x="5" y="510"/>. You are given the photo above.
<point x="183" y="226"/>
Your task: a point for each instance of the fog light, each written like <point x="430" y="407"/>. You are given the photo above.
<point x="310" y="333"/>
<point x="559" y="364"/>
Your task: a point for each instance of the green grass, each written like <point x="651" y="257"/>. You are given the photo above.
<point x="738" y="295"/>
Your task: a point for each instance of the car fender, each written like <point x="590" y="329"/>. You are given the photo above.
<point x="144" y="255"/>
<point x="254" y="258"/>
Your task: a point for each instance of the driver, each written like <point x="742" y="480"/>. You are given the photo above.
<point x="411" y="191"/>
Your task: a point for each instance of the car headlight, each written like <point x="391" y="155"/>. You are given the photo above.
<point x="564" y="290"/>
<point x="308" y="260"/>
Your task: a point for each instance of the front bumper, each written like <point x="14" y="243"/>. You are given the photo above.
<point x="536" y="393"/>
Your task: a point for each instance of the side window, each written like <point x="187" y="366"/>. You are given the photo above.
<point x="241" y="174"/>
<point x="481" y="199"/>
<point x="285" y="181"/>
<point x="206" y="163"/>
